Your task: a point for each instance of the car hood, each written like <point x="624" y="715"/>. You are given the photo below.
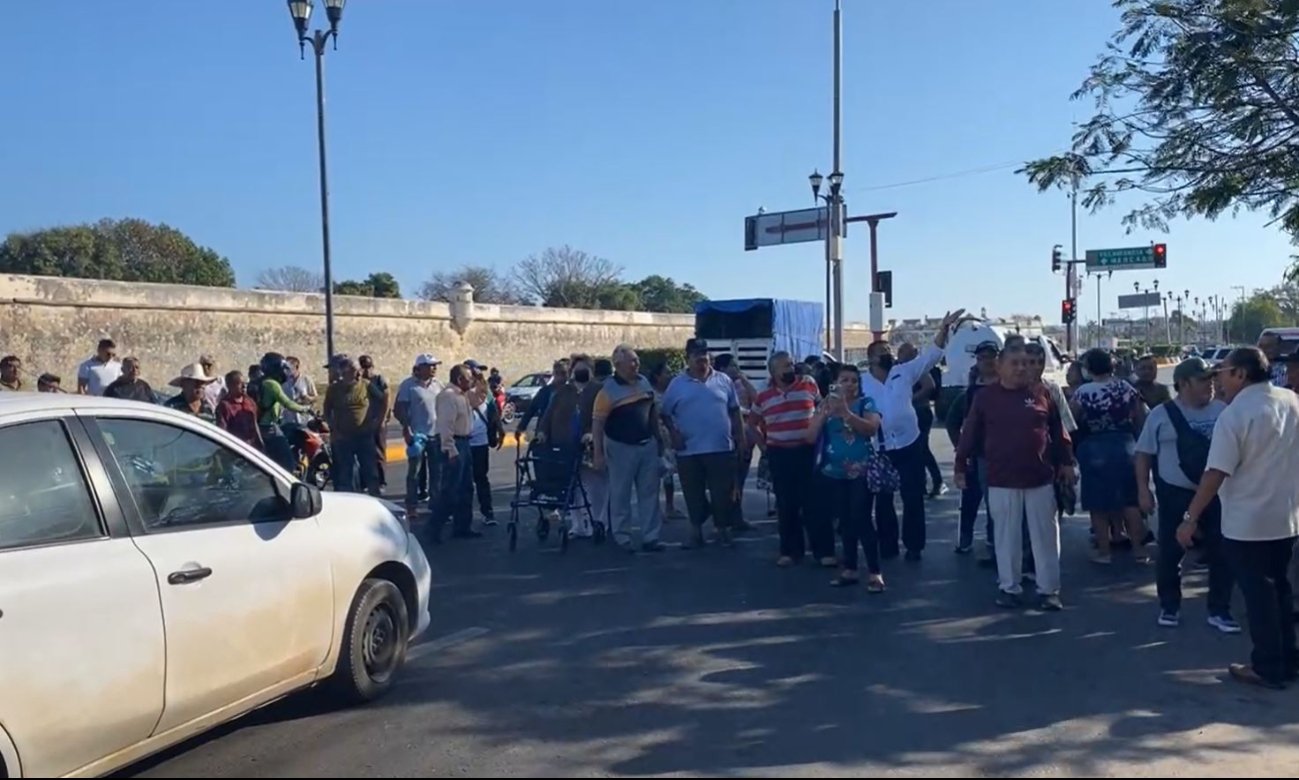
<point x="378" y="516"/>
<point x="522" y="392"/>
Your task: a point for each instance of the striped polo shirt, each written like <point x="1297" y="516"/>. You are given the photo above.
<point x="786" y="414"/>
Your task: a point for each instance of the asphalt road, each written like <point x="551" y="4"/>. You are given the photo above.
<point x="714" y="662"/>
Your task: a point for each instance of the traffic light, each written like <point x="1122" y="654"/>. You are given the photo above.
<point x="1161" y="255"/>
<point x="1057" y="258"/>
<point x="1068" y="310"/>
<point x="884" y="284"/>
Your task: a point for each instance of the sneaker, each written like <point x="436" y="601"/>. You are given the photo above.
<point x="1169" y="619"/>
<point x="1028" y="576"/>
<point x="1051" y="603"/>
<point x="489" y="521"/>
<point x="940" y="489"/>
<point x="964" y="549"/>
<point x="1009" y="600"/>
<point x="1224" y="623"/>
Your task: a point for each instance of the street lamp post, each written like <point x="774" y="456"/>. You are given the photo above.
<point x="833" y="259"/>
<point x="300" y="10"/>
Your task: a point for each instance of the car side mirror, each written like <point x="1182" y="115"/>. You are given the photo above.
<point x="305" y="501"/>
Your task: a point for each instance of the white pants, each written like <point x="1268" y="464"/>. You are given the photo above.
<point x="597" y="492"/>
<point x="1009" y="507"/>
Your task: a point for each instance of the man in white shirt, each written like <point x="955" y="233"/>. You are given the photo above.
<point x="301" y="389"/>
<point x="213" y="391"/>
<point x="1253" y="460"/>
<point x="98" y="372"/>
<point x="890" y="384"/>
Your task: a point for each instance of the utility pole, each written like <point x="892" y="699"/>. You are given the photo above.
<point x="1070" y="328"/>
<point x="836" y="204"/>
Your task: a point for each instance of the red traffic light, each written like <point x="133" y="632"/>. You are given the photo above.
<point x="1160" y="252"/>
<point x="1068" y="310"/>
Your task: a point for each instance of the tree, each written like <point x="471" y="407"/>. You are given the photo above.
<point x="377" y="285"/>
<point x="126" y="250"/>
<point x="1250" y="317"/>
<point x="1197" y="106"/>
<point x="570" y="278"/>
<point x="290" y="278"/>
<point x="489" y="286"/>
<point x="662" y="294"/>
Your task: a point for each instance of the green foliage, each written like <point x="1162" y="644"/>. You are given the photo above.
<point x="126" y="250"/>
<point x="376" y="285"/>
<point x="662" y="294"/>
<point x="1249" y="318"/>
<point x="673" y="357"/>
<point x="1197" y="106"/>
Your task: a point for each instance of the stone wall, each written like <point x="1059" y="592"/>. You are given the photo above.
<point x="54" y="323"/>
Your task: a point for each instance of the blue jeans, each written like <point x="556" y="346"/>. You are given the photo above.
<point x="277" y="447"/>
<point x="356" y="464"/>
<point x="454" y="500"/>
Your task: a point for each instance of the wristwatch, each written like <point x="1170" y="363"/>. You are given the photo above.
<point x="1187" y="519"/>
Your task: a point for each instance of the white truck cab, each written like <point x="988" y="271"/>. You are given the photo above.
<point x="959" y="356"/>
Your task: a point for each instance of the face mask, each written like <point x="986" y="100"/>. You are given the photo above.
<point x="581" y="376"/>
<point x="788" y="377"/>
<point x="885" y="362"/>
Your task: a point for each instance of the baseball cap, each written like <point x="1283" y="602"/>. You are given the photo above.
<point x="1191" y="368"/>
<point x="697" y="347"/>
<point x="988" y="346"/>
<point x="425" y="359"/>
<point x="475" y="365"/>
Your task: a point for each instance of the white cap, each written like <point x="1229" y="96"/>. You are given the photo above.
<point x="426" y="360"/>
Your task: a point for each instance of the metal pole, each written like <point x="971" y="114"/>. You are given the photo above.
<point x="1071" y="327"/>
<point x="1100" y="322"/>
<point x="829" y="283"/>
<point x="874" y="269"/>
<point x="318" y="43"/>
<point x="836" y="205"/>
<point x="1168" y="325"/>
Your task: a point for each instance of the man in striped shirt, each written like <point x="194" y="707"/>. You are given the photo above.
<point x="783" y="412"/>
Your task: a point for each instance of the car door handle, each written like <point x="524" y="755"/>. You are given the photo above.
<point x="187" y="576"/>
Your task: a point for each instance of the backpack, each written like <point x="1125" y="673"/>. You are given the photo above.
<point x="1192" y="446"/>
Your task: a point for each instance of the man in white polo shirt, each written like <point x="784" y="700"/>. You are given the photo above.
<point x="98" y="372"/>
<point x="1253" y="460"/>
<point x="890" y="384"/>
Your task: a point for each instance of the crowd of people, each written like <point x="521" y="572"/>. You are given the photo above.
<point x="1203" y="470"/>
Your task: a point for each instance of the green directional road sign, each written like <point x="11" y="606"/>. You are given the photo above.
<point x="1131" y="258"/>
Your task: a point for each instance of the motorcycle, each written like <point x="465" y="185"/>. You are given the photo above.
<point x="312" y="452"/>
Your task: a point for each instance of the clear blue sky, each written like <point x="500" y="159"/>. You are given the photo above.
<point x="464" y="131"/>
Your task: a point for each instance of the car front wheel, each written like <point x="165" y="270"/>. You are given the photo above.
<point x="374" y="645"/>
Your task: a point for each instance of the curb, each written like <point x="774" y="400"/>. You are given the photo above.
<point x="397" y="452"/>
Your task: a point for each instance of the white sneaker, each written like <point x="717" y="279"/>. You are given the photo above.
<point x="1171" y="619"/>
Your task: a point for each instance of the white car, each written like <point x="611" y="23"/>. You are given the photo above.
<point x="158" y="577"/>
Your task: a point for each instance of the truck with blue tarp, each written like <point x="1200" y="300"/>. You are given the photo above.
<point x="752" y="329"/>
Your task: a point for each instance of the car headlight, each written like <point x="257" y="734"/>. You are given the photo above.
<point x="398" y="512"/>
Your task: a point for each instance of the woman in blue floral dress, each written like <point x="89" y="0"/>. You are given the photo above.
<point x="845" y="426"/>
<point x="1110" y="412"/>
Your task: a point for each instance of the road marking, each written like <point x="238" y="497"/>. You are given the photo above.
<point x="397" y="452"/>
<point x="445" y="643"/>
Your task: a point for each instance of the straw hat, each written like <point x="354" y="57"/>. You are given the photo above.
<point x="192" y="373"/>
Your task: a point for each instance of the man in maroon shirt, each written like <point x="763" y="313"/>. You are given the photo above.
<point x="237" y="412"/>
<point x="1017" y="427"/>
